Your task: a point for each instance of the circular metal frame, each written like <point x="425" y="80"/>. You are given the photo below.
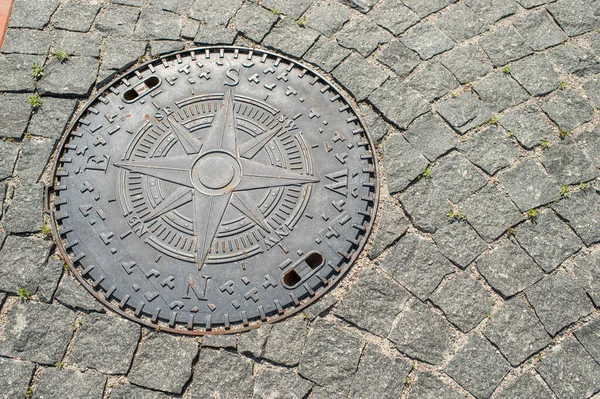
<point x="50" y="195"/>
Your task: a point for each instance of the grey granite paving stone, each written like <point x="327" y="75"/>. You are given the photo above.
<point x="215" y="35"/>
<point x="376" y="126"/>
<point x="539" y="30"/>
<point x="459" y="22"/>
<point x="528" y="125"/>
<point x="32" y="14"/>
<point x="425" y="205"/>
<point x="73" y="78"/>
<point x="570" y="371"/>
<point x="574" y="16"/>
<point x="526" y="386"/>
<point x="189" y="27"/>
<point x="331" y="355"/>
<point x="327" y="18"/>
<point x="359" y="76"/>
<point x="567" y="108"/>
<point x="77" y="43"/>
<point x="22" y="261"/>
<point x="464" y="112"/>
<point x="25" y="213"/>
<point x="14" y="378"/>
<point x="559" y="300"/>
<point x="214" y="13"/>
<point x="73" y="295"/>
<point x="326" y="54"/>
<point x="392" y="224"/>
<point x="467" y="62"/>
<point x="253" y="21"/>
<point x="280" y="384"/>
<point x="490" y="149"/>
<point x="286" y="342"/>
<point x="508" y="269"/>
<point x="252" y="343"/>
<point x="548" y="240"/>
<point x="379" y="375"/>
<point x="536" y="74"/>
<point x="402" y="162"/>
<point x="464" y="301"/>
<point x="592" y="89"/>
<point x="27" y="333"/>
<point x="457" y="178"/>
<point x="533" y="3"/>
<point x="393" y="16"/>
<point x="431" y="136"/>
<point x="398" y="58"/>
<point x="292" y="8"/>
<point x="164" y="363"/>
<point x="587" y="271"/>
<point x="582" y="212"/>
<point x="477" y="367"/>
<point x="121" y="53"/>
<point x="15" y="70"/>
<point x="399" y="103"/>
<point x="320" y="307"/>
<point x="159" y="47"/>
<point x="590" y="142"/>
<point x="75" y="16"/>
<point x="58" y="383"/>
<point x="417" y="265"/>
<point x="35" y="154"/>
<point x="158" y="24"/>
<point x="427" y="40"/>
<point x="425" y="7"/>
<point x="14" y="113"/>
<point x="567" y="164"/>
<point x="428" y="386"/>
<point x="504" y="45"/>
<point x="105" y="343"/>
<point x="223" y="374"/>
<point x="422" y="334"/>
<point x="27" y="41"/>
<point x="433" y="81"/>
<point x="220" y="341"/>
<point x="490" y="12"/>
<point x="575" y="58"/>
<point x="323" y="393"/>
<point x="9" y="152"/>
<point x="516" y="331"/>
<point x="361" y="5"/>
<point x="373" y="303"/>
<point x="459" y="243"/>
<point x="52" y="273"/>
<point x="363" y="35"/>
<point x="117" y="21"/>
<point x="490" y="213"/>
<point x="288" y="37"/>
<point x="499" y="91"/>
<point x="528" y="185"/>
<point x="127" y="391"/>
<point x="589" y="336"/>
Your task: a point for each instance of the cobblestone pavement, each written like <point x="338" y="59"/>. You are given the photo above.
<point x="483" y="277"/>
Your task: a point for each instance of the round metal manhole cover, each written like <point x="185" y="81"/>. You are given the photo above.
<point x="213" y="190"/>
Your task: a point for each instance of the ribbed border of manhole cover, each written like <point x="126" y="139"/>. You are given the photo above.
<point x="237" y="129"/>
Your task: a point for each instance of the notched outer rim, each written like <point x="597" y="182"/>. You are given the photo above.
<point x="50" y="192"/>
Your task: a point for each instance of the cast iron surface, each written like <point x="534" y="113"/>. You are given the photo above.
<point x="213" y="190"/>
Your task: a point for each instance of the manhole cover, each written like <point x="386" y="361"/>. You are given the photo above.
<point x="214" y="190"/>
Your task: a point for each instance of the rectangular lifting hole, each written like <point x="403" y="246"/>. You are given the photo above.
<point x="141" y="89"/>
<point x="302" y="269"/>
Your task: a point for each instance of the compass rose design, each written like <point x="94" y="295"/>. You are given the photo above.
<point x="215" y="173"/>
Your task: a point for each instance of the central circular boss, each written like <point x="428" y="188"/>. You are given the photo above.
<point x="216" y="173"/>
